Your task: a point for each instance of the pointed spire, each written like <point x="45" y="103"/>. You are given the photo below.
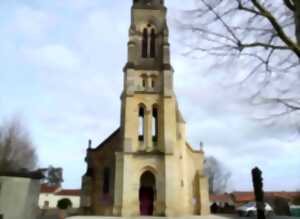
<point x="90" y="144"/>
<point x="201" y="146"/>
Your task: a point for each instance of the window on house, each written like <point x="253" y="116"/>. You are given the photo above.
<point x="145" y="43"/>
<point x="141" y="123"/>
<point x="154" y="123"/>
<point x="106" y="177"/>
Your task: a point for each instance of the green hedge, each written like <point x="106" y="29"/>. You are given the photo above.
<point x="64" y="204"/>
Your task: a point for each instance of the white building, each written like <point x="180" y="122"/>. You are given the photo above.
<point x="49" y="197"/>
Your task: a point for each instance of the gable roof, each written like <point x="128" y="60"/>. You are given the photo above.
<point x="179" y="117"/>
<point x="192" y="149"/>
<point x="113" y="135"/>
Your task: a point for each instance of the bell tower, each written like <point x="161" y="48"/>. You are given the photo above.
<point x="148" y="100"/>
<point x="147" y="167"/>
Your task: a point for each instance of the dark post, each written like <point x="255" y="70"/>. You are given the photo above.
<point x="259" y="193"/>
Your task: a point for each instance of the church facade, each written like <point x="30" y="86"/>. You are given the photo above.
<point x="146" y="167"/>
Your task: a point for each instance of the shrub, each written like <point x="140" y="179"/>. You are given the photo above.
<point x="296" y="201"/>
<point x="281" y="206"/>
<point x="64" y="204"/>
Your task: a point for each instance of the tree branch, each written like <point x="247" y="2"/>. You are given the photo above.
<point x="289" y="5"/>
<point x="221" y="20"/>
<point x="286" y="103"/>
<point x="280" y="32"/>
<point x="265" y="45"/>
<point x="242" y="7"/>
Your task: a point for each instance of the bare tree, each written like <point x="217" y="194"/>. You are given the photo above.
<point x="262" y="36"/>
<point x="52" y="176"/>
<point x="17" y="152"/>
<point x="218" y="175"/>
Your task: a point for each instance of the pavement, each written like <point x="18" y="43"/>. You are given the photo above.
<point x="48" y="217"/>
<point x="183" y="217"/>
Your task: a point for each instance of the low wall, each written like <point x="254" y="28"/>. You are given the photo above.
<point x="19" y="197"/>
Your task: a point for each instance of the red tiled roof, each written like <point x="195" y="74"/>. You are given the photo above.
<point x="249" y="196"/>
<point x="48" y="189"/>
<point x="69" y="192"/>
<point x="243" y="196"/>
<point x="220" y="198"/>
<point x="58" y="191"/>
<point x="287" y="195"/>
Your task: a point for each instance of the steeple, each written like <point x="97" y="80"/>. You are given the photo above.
<point x="148" y="98"/>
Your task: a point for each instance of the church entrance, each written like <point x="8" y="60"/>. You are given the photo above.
<point x="147" y="193"/>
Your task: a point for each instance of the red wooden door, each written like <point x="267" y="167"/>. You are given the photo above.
<point x="146" y="201"/>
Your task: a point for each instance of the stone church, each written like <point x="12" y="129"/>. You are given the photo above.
<point x="146" y="167"/>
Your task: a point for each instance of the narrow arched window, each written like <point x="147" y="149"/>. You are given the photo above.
<point x="153" y="82"/>
<point x="145" y="43"/>
<point x="144" y="82"/>
<point x="106" y="176"/>
<point x="141" y="123"/>
<point x="154" y="123"/>
<point x="152" y="44"/>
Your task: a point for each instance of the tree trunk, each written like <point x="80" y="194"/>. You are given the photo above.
<point x="297" y="20"/>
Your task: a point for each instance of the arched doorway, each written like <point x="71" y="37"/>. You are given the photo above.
<point x="147" y="193"/>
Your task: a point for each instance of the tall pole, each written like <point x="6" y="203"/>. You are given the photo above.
<point x="259" y="193"/>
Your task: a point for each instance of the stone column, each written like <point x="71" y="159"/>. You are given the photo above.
<point x="118" y="193"/>
<point x="130" y="199"/>
<point x="172" y="194"/>
<point x="204" y="195"/>
<point x="148" y="130"/>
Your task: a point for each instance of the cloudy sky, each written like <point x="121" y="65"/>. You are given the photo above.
<point x="61" y="71"/>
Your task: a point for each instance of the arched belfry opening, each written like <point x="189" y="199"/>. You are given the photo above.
<point x="152" y="43"/>
<point x="145" y="43"/>
<point x="149" y="42"/>
<point x="147" y="193"/>
<point x="154" y="123"/>
<point x="142" y="110"/>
